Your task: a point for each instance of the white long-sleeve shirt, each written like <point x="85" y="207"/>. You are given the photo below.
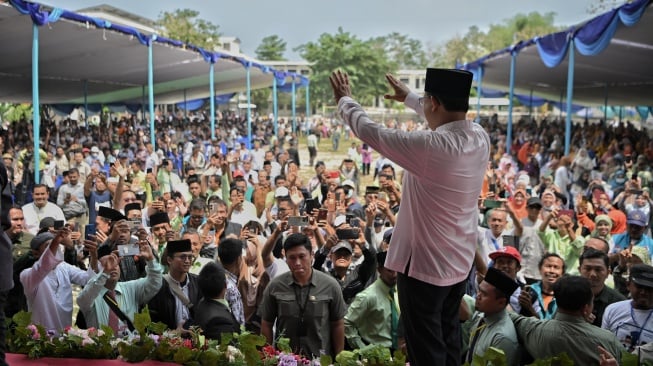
<point x="47" y="287"/>
<point x="437" y="229"/>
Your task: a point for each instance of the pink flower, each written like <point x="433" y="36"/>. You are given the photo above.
<point x="35" y="331"/>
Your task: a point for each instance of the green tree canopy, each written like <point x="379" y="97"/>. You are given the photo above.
<point x="476" y="43"/>
<point x="406" y="52"/>
<point x="272" y="48"/>
<point x="366" y="62"/>
<point x="184" y="25"/>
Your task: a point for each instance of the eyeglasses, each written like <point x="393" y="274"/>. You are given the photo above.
<point x="185" y="257"/>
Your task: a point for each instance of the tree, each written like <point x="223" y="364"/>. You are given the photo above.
<point x="272" y="48"/>
<point x="475" y="43"/>
<point x="366" y="62"/>
<point x="518" y="28"/>
<point x="601" y="6"/>
<point x="184" y="25"/>
<point x="406" y="52"/>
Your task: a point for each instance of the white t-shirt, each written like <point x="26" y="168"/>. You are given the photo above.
<point x="618" y="318"/>
<point x="278" y="266"/>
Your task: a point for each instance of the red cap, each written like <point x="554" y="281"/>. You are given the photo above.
<point x="237" y="173"/>
<point x="334" y="174"/>
<point x="511" y="252"/>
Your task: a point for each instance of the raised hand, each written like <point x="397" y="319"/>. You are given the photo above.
<point x="400" y="89"/>
<point x="340" y="85"/>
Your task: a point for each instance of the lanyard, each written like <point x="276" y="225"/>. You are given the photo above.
<point x="298" y="291"/>
<point x="495" y="243"/>
<point x="637" y="338"/>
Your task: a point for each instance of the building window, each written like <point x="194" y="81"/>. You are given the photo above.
<point x="405" y="81"/>
<point x="417" y="83"/>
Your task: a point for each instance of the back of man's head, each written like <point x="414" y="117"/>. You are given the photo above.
<point x="230" y="250"/>
<point x="212" y="280"/>
<point x="572" y="293"/>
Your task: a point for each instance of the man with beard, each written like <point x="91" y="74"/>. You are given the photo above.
<point x="40" y="209"/>
<point x="174" y="303"/>
<point x="106" y="300"/>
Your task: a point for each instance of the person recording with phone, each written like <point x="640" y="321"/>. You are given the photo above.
<point x="240" y="211"/>
<point x="216" y="227"/>
<point x="47" y="284"/>
<point x="108" y="300"/>
<point x="339" y="249"/>
<point x="121" y="239"/>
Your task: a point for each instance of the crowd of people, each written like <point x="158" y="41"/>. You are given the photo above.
<point x="212" y="233"/>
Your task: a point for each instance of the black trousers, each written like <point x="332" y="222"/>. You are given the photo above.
<point x="431" y="321"/>
<point x="3" y="330"/>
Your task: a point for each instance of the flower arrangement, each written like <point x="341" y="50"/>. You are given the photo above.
<point x="36" y="341"/>
<point x="152" y="341"/>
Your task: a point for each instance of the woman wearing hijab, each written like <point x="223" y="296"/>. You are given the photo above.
<point x="518" y="203"/>
<point x="602" y="228"/>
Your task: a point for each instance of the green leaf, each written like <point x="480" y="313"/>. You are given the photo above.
<point x="157" y="328"/>
<point x="183" y="355"/>
<point x="22" y="319"/>
<point x="326" y="360"/>
<point x="209" y="357"/>
<point x="142" y="321"/>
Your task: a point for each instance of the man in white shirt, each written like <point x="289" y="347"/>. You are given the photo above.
<point x="39" y="209"/>
<point x="47" y="284"/>
<point x="258" y="156"/>
<point x="630" y="320"/>
<point x="433" y="243"/>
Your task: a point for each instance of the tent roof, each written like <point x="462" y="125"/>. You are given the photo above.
<point x="113" y="63"/>
<point x="621" y="71"/>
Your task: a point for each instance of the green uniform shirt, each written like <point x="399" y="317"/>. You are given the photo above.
<point x="498" y="332"/>
<point x="322" y="302"/>
<point x="368" y="319"/>
<point x="21" y="245"/>
<point x="565" y="333"/>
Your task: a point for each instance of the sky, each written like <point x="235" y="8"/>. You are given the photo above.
<point x="300" y="21"/>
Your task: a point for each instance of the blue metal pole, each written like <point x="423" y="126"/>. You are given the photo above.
<point x="212" y="93"/>
<point x="294" y="119"/>
<point x="143" y="104"/>
<point x="308" y="105"/>
<point x="513" y="61"/>
<point x="150" y="87"/>
<point x="185" y="106"/>
<point x="605" y="106"/>
<point x="275" y="107"/>
<point x="479" y="90"/>
<point x="249" y="107"/>
<point x="36" y="104"/>
<point x="570" y="95"/>
<point x="86" y="103"/>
